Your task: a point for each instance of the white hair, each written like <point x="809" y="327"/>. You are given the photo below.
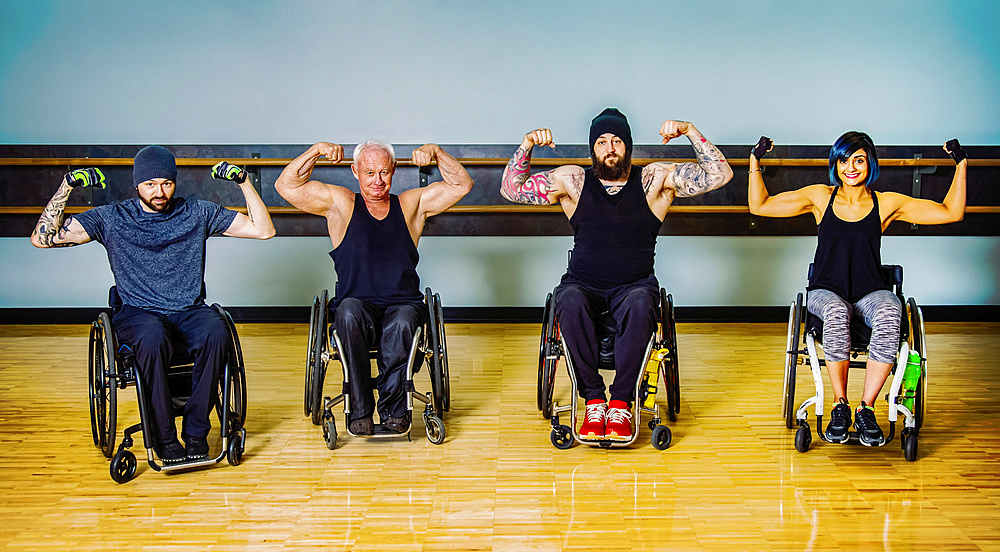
<point x="376" y="144"/>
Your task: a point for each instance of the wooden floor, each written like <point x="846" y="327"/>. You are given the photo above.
<point x="731" y="480"/>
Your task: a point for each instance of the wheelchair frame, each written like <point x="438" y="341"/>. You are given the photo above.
<point x="112" y="368"/>
<point x="325" y="345"/>
<point x="801" y="349"/>
<point x="553" y="346"/>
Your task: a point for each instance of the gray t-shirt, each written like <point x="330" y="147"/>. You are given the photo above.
<point x="158" y="259"/>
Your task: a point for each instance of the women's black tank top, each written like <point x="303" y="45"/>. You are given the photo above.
<point x="614" y="236"/>
<point x="377" y="260"/>
<point x="848" y="257"/>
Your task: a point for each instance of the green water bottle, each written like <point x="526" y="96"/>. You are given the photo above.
<point x="911" y="378"/>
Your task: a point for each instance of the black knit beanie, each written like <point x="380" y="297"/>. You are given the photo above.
<point x="153" y="162"/>
<point x="613" y="121"/>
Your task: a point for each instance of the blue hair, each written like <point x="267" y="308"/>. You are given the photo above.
<point x="845" y="146"/>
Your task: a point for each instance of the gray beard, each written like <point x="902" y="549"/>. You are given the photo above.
<point x="617" y="172"/>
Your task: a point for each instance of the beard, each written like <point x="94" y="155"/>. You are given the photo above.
<point x="619" y="170"/>
<point x="165" y="207"/>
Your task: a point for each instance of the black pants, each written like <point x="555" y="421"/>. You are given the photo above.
<point x="633" y="308"/>
<point x="361" y="326"/>
<point x="154" y="337"/>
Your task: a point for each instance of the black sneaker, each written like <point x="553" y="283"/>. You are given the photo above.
<point x="868" y="430"/>
<point x="840" y="422"/>
<point x="171" y="453"/>
<point x="396" y="425"/>
<point x="197" y="448"/>
<point x="362" y="426"/>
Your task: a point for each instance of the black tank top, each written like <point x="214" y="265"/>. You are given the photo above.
<point x="848" y="258"/>
<point x="614" y="236"/>
<point x="377" y="260"/>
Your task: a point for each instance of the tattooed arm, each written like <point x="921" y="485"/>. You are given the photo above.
<point x="545" y="188"/>
<point x="51" y="230"/>
<point x="687" y="179"/>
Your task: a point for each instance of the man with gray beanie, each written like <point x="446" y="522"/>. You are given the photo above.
<point x="156" y="247"/>
<point x="615" y="210"/>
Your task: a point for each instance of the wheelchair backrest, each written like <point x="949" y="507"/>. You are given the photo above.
<point x="892" y="275"/>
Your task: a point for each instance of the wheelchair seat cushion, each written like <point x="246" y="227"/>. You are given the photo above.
<point x="861" y="333"/>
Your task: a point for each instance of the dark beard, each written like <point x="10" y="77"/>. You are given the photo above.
<point x="165" y="209"/>
<point x="615" y="173"/>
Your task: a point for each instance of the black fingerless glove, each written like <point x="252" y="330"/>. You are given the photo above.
<point x="763" y="146"/>
<point x="226" y="171"/>
<point x="86" y="178"/>
<point x="955" y="150"/>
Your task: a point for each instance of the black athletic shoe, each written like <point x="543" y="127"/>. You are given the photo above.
<point x="396" y="425"/>
<point x="840" y="422"/>
<point x="362" y="426"/>
<point x="171" y="453"/>
<point x="868" y="430"/>
<point x="197" y="448"/>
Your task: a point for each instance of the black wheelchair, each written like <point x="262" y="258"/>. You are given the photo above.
<point x="112" y="366"/>
<point x="428" y="343"/>
<point x="908" y="402"/>
<point x="660" y="363"/>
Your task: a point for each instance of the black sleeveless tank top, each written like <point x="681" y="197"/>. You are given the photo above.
<point x="848" y="258"/>
<point x="614" y="236"/>
<point x="377" y="260"/>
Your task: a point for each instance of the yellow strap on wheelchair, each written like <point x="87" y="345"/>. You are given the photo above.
<point x="652" y="374"/>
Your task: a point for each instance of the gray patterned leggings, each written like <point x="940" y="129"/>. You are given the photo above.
<point x="881" y="311"/>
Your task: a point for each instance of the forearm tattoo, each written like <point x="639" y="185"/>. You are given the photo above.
<point x="50" y="225"/>
<point x="518" y="186"/>
<point x="709" y="173"/>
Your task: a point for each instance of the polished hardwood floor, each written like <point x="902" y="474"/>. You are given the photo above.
<point x="731" y="479"/>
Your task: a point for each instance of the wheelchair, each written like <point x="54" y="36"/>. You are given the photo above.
<point x="112" y="366"/>
<point x="428" y="343"/>
<point x="661" y="350"/>
<point x="801" y="348"/>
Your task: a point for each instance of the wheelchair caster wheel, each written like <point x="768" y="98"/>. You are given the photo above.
<point x="910" y="448"/>
<point x="330" y="433"/>
<point x="123" y="466"/>
<point x="434" y="427"/>
<point x="235" y="452"/>
<point x="562" y="437"/>
<point x="803" y="438"/>
<point x="661" y="437"/>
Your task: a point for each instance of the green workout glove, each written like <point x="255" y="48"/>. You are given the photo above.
<point x="86" y="178"/>
<point x="226" y="171"/>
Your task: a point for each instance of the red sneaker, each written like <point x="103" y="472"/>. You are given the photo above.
<point x="619" y="426"/>
<point x="593" y="423"/>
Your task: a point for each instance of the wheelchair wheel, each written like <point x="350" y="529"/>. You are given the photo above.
<point x="791" y="362"/>
<point x="562" y="437"/>
<point x="319" y="340"/>
<point x="123" y="466"/>
<point x="916" y="343"/>
<point x="236" y="447"/>
<point x="548" y="359"/>
<point x="660" y="437"/>
<point x="910" y="447"/>
<point x="330" y="433"/>
<point x="438" y="364"/>
<point x="237" y="400"/>
<point x="313" y="316"/>
<point x="668" y="336"/>
<point x="444" y="353"/>
<point x="434" y="427"/>
<point x="803" y="438"/>
<point x="103" y="386"/>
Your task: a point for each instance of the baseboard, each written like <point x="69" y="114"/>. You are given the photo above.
<point x="86" y="315"/>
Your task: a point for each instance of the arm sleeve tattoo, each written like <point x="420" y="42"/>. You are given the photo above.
<point x="710" y="172"/>
<point x="51" y="224"/>
<point x="519" y="186"/>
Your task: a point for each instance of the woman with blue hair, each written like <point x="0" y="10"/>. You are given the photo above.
<point x="847" y="275"/>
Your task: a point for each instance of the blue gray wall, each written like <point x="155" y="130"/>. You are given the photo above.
<point x="453" y="72"/>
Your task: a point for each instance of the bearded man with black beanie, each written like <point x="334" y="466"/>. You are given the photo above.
<point x="616" y="210"/>
<point x="156" y="247"/>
